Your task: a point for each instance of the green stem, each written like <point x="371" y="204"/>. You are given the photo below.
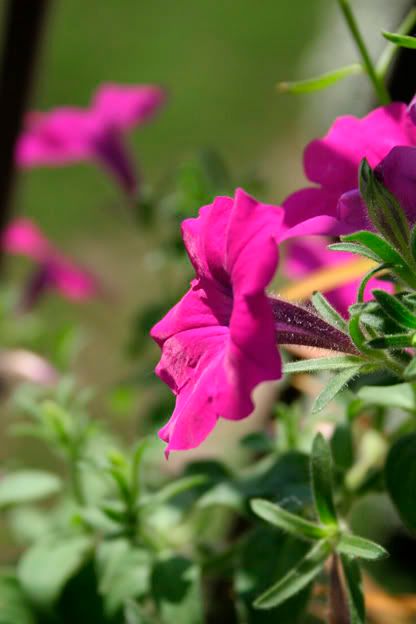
<point x="378" y="84"/>
<point x="76" y="480"/>
<point x="391" y="49"/>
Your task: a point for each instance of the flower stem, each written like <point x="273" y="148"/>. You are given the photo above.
<point x="377" y="82"/>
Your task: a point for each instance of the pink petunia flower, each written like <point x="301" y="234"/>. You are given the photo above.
<point x="307" y="255"/>
<point x="332" y="164"/>
<point x="22" y="237"/>
<point x="218" y="342"/>
<point x="66" y="135"/>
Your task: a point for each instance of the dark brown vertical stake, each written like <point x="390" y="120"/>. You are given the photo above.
<point x="401" y="82"/>
<point x="22" y="30"/>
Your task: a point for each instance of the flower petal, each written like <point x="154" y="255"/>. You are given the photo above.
<point x="333" y="160"/>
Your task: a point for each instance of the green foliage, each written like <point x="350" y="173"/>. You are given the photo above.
<point x="400" y="475"/>
<point x="322" y="481"/>
<point x="27" y="485"/>
<point x="317" y="83"/>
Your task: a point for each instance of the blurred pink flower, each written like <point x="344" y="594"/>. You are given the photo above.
<point x="22" y="237"/>
<point x="332" y="164"/>
<point x="307" y="255"/>
<point x="71" y="134"/>
<point x="218" y="342"/>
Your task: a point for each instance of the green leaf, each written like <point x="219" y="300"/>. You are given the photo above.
<point x="339" y="362"/>
<point x="410" y="370"/>
<point x="123" y="573"/>
<point x="375" y="243"/>
<point x="384" y="210"/>
<point x="353" y="248"/>
<point x="322" y="481"/>
<point x="392" y="341"/>
<point x="46" y="567"/>
<point x="224" y="494"/>
<point x="291" y="523"/>
<point x="173" y="489"/>
<point x="27" y="485"/>
<point x="14" y="607"/>
<point x="297" y="579"/>
<point x="403" y="41"/>
<point x="176" y="590"/>
<point x="355" y="546"/>
<point x="255" y="568"/>
<point x="334" y="387"/>
<point x="353" y="582"/>
<point x="342" y="447"/>
<point x="400" y="477"/>
<point x="134" y="615"/>
<point x="396" y="310"/>
<point x="397" y="395"/>
<point x="327" y="312"/>
<point x="317" y="83"/>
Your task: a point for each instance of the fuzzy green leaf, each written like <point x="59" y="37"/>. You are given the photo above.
<point x="375" y="243"/>
<point x="327" y="312"/>
<point x="322" y="480"/>
<point x="353" y="582"/>
<point x="393" y="341"/>
<point x="325" y="363"/>
<point x="358" y="250"/>
<point x="291" y="523"/>
<point x="334" y="387"/>
<point x="297" y="579"/>
<point x="355" y="546"/>
<point x="395" y="309"/>
<point x="384" y="210"/>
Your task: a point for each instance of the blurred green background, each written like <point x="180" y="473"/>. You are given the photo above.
<point x="220" y="62"/>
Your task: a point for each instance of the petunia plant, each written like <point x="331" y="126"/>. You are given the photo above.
<point x="299" y="319"/>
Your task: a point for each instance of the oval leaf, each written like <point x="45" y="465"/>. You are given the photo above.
<point x="44" y="569"/>
<point x="27" y="485"/>
<point x="355" y="546"/>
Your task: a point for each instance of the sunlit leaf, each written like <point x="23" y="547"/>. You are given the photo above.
<point x="317" y="83"/>
<point x="403" y="41"/>
<point x="355" y="546"/>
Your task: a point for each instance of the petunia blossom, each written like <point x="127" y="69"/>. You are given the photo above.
<point x="218" y="342"/>
<point x="307" y="256"/>
<point x="70" y="134"/>
<point x="54" y="270"/>
<point x="332" y="164"/>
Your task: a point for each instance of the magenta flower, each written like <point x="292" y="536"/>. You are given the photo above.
<point x="308" y="255"/>
<point x="22" y="237"/>
<point x="218" y="342"/>
<point x="332" y="164"/>
<point x="66" y="135"/>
